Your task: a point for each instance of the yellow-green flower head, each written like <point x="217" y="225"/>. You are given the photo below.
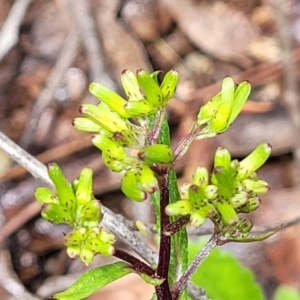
<point x="86" y="242"/>
<point x="220" y="112"/>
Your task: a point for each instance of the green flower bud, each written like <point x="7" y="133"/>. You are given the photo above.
<point x="224" y="179"/>
<point x="113" y="164"/>
<point x="64" y="190"/>
<point x="74" y="185"/>
<point x="139" y="108"/>
<point x="106" y="237"/>
<point x="244" y="225"/>
<point x="126" y="139"/>
<point x="56" y="213"/>
<point x="252" y="204"/>
<point x="211" y="192"/>
<point x="150" y="87"/>
<point x="110" y="98"/>
<point x="220" y="121"/>
<point x="103" y="248"/>
<point x="256" y="186"/>
<point x="227" y="211"/>
<point x="84" y="186"/>
<point x="89" y="214"/>
<point x="85" y="124"/>
<point x="222" y="158"/>
<point x="108" y="120"/>
<point x="79" y="234"/>
<point x="109" y="146"/>
<point x="197" y="218"/>
<point x="208" y="110"/>
<point x="158" y="153"/>
<point x="254" y="161"/>
<point x="209" y="209"/>
<point x="131" y="86"/>
<point x="87" y="256"/>
<point x="169" y="84"/>
<point x="94" y="231"/>
<point x="147" y="180"/>
<point x="200" y="177"/>
<point x="131" y="188"/>
<point x="239" y="199"/>
<point x="184" y="190"/>
<point x="44" y="195"/>
<point x="181" y="207"/>
<point x="234" y="164"/>
<point x="253" y="176"/>
<point x="73" y="252"/>
<point x="241" y="95"/>
<point x="196" y="195"/>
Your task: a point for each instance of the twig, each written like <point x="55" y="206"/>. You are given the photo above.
<point x="23" y="158"/>
<point x="64" y="61"/>
<point x="54" y="154"/>
<point x="290" y="93"/>
<point x="87" y="28"/>
<point x="199" y="258"/>
<point x="9" y="34"/>
<point x="115" y="223"/>
<point x="195" y="292"/>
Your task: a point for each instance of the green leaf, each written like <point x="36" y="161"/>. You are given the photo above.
<point x="284" y="292"/>
<point x="93" y="280"/>
<point x="223" y="277"/>
<point x="179" y="241"/>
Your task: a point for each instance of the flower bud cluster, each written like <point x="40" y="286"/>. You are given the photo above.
<point x="76" y="206"/>
<point x="122" y="127"/>
<point x="220" y="112"/>
<point x="86" y="242"/>
<point x="232" y="188"/>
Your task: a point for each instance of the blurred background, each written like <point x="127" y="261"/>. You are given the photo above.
<point x="51" y="50"/>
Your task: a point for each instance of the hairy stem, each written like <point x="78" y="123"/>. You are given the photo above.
<point x="163" y="291"/>
<point x="137" y="264"/>
<point x="200" y="257"/>
<point x="176" y="225"/>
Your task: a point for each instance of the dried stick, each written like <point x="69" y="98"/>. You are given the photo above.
<point x="9" y="34"/>
<point x="64" y="61"/>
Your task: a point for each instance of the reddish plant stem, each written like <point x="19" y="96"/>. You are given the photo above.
<point x="163" y="291"/>
<point x="176" y="225"/>
<point x="137" y="264"/>
<point x="200" y="257"/>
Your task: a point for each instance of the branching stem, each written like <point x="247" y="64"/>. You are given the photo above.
<point x="137" y="264"/>
<point x="200" y="257"/>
